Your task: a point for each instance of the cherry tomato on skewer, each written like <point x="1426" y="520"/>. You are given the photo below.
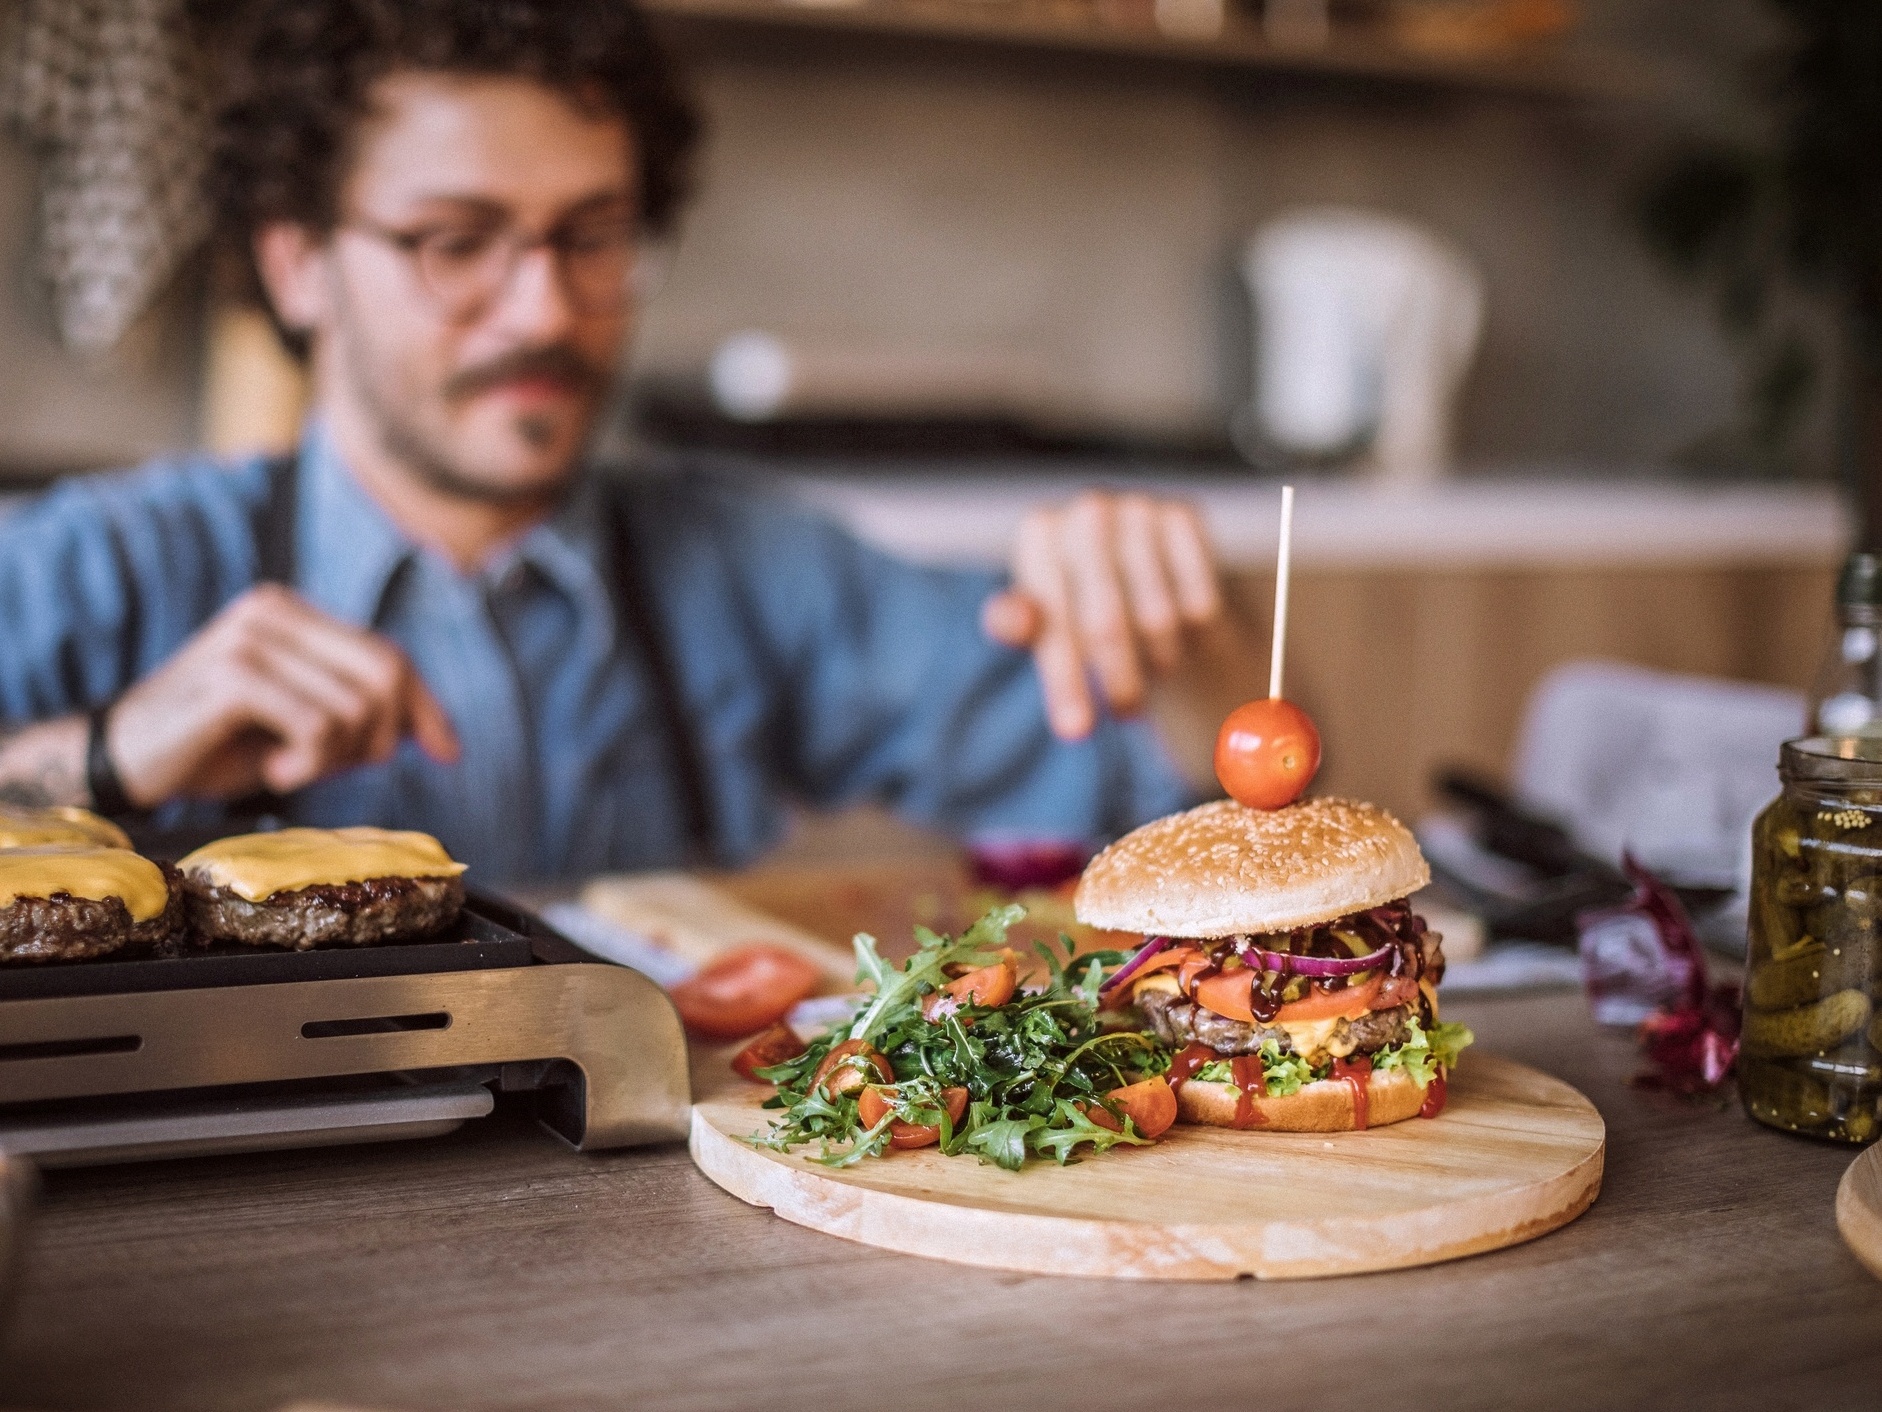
<point x="1267" y="753"/>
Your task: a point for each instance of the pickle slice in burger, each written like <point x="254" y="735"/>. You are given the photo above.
<point x="1282" y="963"/>
<point x="300" y="888"/>
<point x="74" y="904"/>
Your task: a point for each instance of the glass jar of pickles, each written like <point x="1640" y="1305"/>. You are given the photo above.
<point x="1810" y="1056"/>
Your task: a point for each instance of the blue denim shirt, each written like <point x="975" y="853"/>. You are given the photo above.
<point x="811" y="666"/>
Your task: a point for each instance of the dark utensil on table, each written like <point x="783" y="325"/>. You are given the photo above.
<point x="1564" y="880"/>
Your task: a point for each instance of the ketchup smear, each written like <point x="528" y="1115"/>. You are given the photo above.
<point x="1434" y="1097"/>
<point x="1356" y="1074"/>
<point x="1183" y="1067"/>
<point x="1250" y="1080"/>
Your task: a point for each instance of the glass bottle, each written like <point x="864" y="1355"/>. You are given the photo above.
<point x="1847" y="697"/>
<point x="1810" y="1053"/>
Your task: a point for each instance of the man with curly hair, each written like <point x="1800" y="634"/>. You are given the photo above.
<point x="437" y="614"/>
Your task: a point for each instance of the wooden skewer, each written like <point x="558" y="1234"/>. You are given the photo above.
<point x="1279" y="652"/>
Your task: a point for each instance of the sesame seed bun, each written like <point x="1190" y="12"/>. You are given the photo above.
<point x="1323" y="1107"/>
<point x="1227" y="870"/>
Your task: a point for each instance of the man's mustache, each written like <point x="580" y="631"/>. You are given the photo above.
<point x="555" y="363"/>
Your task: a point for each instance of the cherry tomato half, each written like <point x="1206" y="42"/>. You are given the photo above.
<point x="774" y="1046"/>
<point x="744" y="991"/>
<point x="847" y="1078"/>
<point x="1150" y="1104"/>
<point x="1267" y="753"/>
<point x="872" y="1107"/>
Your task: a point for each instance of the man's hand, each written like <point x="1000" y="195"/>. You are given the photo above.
<point x="271" y="693"/>
<point x="1107" y="588"/>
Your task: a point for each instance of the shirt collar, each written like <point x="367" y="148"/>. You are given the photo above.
<point x="348" y="550"/>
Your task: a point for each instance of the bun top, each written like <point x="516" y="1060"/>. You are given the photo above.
<point x="1225" y="869"/>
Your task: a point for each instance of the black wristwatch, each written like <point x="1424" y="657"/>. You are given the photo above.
<point x="101" y="776"/>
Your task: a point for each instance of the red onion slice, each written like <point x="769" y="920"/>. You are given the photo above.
<point x="1288" y="964"/>
<point x="1152" y="945"/>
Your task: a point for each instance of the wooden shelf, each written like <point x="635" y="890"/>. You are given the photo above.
<point x="1564" y="69"/>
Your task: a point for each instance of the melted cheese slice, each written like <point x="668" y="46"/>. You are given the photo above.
<point x="97" y="874"/>
<point x="255" y="866"/>
<point x="59" y="827"/>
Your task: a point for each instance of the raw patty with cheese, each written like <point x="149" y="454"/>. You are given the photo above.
<point x="72" y="904"/>
<point x="301" y="888"/>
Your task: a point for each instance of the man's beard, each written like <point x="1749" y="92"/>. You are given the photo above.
<point x="403" y="437"/>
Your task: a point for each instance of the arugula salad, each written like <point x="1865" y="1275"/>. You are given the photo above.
<point x="946" y="1051"/>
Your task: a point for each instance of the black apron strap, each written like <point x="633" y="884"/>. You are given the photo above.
<point x="274" y="524"/>
<point x="640" y="620"/>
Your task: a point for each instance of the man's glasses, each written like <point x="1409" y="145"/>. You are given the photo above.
<point x="466" y="265"/>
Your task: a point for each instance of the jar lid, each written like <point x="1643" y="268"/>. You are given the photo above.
<point x="1832" y="759"/>
<point x="1861" y="581"/>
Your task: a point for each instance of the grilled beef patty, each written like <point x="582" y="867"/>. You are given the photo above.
<point x="67" y="928"/>
<point x="1179" y="1022"/>
<point x="330" y="914"/>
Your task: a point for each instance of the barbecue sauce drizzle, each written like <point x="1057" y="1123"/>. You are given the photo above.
<point x="1394" y="925"/>
<point x="1356" y="1074"/>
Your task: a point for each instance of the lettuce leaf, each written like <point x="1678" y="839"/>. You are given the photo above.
<point x="1426" y="1050"/>
<point x="1285" y="1073"/>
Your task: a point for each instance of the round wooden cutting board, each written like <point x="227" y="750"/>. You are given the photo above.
<point x="1858" y="1206"/>
<point x="1515" y="1155"/>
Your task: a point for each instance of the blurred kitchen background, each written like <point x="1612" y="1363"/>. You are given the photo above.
<point x="1493" y="280"/>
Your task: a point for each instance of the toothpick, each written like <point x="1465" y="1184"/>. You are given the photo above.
<point x="1280" y="592"/>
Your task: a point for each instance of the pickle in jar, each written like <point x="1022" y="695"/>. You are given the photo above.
<point x="1807" y="1029"/>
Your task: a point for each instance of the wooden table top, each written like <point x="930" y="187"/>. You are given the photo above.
<point x="497" y="1269"/>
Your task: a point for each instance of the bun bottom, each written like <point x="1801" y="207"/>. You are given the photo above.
<point x="1322" y="1107"/>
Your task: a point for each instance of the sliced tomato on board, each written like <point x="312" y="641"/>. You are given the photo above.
<point x="847" y="1067"/>
<point x="747" y="989"/>
<point x="774" y="1046"/>
<point x="872" y="1106"/>
<point x="1150" y="1104"/>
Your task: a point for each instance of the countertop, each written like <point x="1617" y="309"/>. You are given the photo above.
<point x="497" y="1269"/>
<point x="1541" y="519"/>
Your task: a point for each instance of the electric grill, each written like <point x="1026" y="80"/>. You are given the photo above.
<point x="237" y="1048"/>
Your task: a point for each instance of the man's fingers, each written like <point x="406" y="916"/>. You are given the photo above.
<point x="431" y="726"/>
<point x="1039" y="573"/>
<point x="1011" y="618"/>
<point x="357" y="719"/>
<point x="373" y="666"/>
<point x="1147" y="581"/>
<point x="1103" y="621"/>
<point x="1191" y="563"/>
<point x="309" y="736"/>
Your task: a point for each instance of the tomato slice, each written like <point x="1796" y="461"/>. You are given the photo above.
<point x="845" y="1077"/>
<point x="746" y="990"/>
<point x="1150" y="1104"/>
<point x="1230" y="994"/>
<point x="1348" y="1004"/>
<point x="872" y="1107"/>
<point x="774" y="1046"/>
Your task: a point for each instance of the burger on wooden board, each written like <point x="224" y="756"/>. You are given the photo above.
<point x="1283" y="963"/>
